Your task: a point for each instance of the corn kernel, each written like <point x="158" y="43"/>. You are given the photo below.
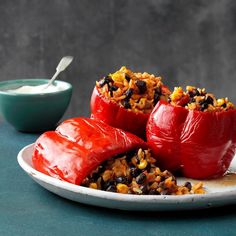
<point x="93" y="185"/>
<point x="142" y="165"/>
<point x="177" y="94"/>
<point x="154" y="185"/>
<point x="117" y="76"/>
<point x="220" y="101"/>
<point x="169" y="182"/>
<point x="190" y="88"/>
<point x="122" y="188"/>
<point x="199" y="191"/>
<point x="197" y="186"/>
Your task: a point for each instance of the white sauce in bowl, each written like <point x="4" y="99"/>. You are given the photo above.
<point x="36" y="89"/>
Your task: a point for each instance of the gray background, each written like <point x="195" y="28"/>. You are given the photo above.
<point x="187" y="42"/>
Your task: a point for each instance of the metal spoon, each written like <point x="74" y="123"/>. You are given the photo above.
<point x="64" y="62"/>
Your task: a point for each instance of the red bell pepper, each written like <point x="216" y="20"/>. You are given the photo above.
<point x="113" y="114"/>
<point x="199" y="144"/>
<point x="78" y="146"/>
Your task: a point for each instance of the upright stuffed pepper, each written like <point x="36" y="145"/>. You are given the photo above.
<point x="125" y="99"/>
<point x="90" y="153"/>
<point x="193" y="133"/>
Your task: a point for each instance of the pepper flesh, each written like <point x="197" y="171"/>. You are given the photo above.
<point x="78" y="146"/>
<point x="199" y="144"/>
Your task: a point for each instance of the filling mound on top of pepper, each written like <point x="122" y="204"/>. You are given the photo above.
<point x="193" y="133"/>
<point x="91" y="153"/>
<point x="125" y="99"/>
<point x="198" y="99"/>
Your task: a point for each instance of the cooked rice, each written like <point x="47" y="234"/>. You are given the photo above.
<point x="138" y="92"/>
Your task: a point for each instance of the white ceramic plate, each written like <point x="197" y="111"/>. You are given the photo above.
<point x="219" y="192"/>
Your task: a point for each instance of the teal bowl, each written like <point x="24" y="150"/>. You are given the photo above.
<point x="33" y="112"/>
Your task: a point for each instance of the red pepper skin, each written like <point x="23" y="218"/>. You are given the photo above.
<point x="78" y="146"/>
<point x="113" y="114"/>
<point x="199" y="144"/>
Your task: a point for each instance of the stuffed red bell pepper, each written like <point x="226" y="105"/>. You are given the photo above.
<point x="90" y="153"/>
<point x="125" y="99"/>
<point x="194" y="133"/>
<point x="78" y="146"/>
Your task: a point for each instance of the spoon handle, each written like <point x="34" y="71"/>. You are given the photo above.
<point x="52" y="79"/>
<point x="64" y="62"/>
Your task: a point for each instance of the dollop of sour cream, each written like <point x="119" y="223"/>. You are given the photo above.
<point x="36" y="89"/>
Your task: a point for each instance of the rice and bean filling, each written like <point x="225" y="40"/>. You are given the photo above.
<point x="136" y="172"/>
<point x="138" y="92"/>
<point x="198" y="99"/>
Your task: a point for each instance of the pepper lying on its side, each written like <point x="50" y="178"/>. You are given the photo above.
<point x="195" y="134"/>
<point x="78" y="146"/>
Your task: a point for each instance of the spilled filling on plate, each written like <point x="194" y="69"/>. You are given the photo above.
<point x="138" y="92"/>
<point x="136" y="172"/>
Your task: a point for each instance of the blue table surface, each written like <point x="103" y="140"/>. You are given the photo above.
<point x="28" y="209"/>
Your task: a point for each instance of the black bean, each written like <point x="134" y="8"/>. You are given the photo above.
<point x="101" y="169"/>
<point x="111" y="188"/>
<point x="127" y="77"/>
<point x="201" y="102"/>
<point x="111" y="93"/>
<point x="157" y="96"/>
<point x="95" y="176"/>
<point x="141" y="86"/>
<point x="140" y="179"/>
<point x="129" y="155"/>
<point x="134" y="172"/>
<point x="129" y="179"/>
<point x="147" y="168"/>
<point x="224" y="105"/>
<point x="111" y="89"/>
<point x="197" y="93"/>
<point x="129" y="93"/>
<point x="209" y="100"/>
<point x="144" y="188"/>
<point x="114" y="87"/>
<point x="188" y="185"/>
<point x="126" y="104"/>
<point x="193" y="93"/>
<point x="153" y="191"/>
<point x="108" y="183"/>
<point x="121" y="179"/>
<point x="204" y="106"/>
<point x="106" y="80"/>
